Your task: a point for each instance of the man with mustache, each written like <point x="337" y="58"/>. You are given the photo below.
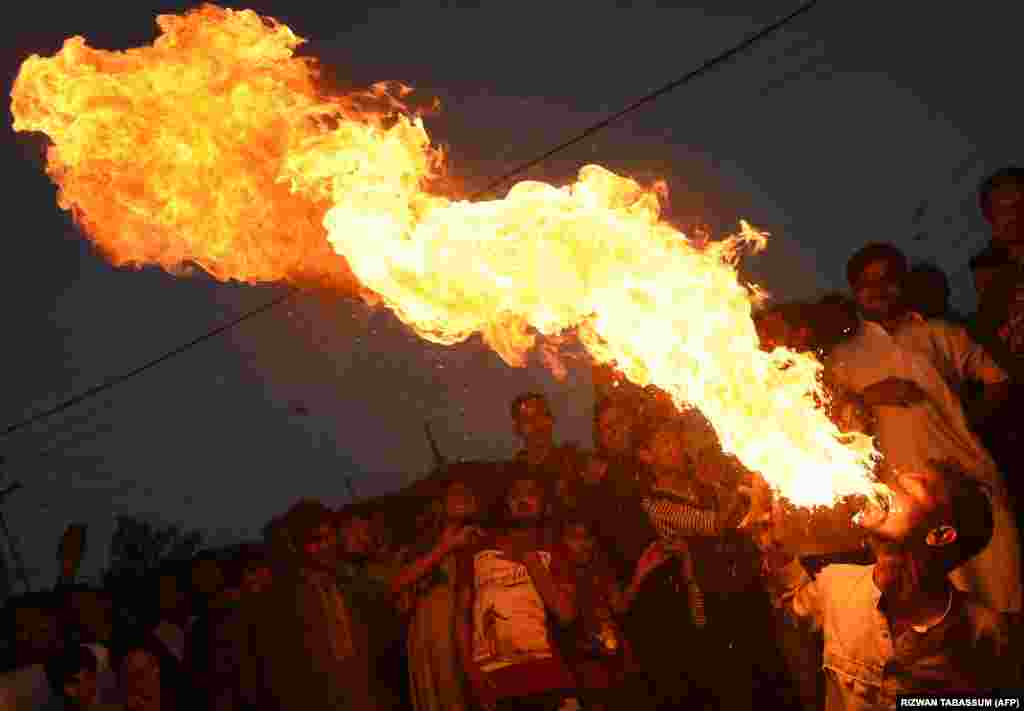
<point x="908" y="373"/>
<point x="899" y="626"/>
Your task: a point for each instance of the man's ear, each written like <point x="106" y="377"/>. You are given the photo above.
<point x="941" y="536"/>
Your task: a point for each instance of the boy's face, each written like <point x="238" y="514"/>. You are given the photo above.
<point x="256" y="578"/>
<point x="35" y="631"/>
<point x="613" y="430"/>
<point x="357" y="537"/>
<point x="80" y="688"/>
<point x="459" y="501"/>
<point x="580" y="542"/>
<point x="525" y="500"/>
<point x="666" y="451"/>
<point x="207" y="577"/>
<point x="95" y="612"/>
<point x="878" y="291"/>
<point x="1006" y="211"/>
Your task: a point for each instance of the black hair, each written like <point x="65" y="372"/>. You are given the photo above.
<point x="926" y="290"/>
<point x="519" y="400"/>
<point x="66" y="663"/>
<point x="876" y="251"/>
<point x="970" y="514"/>
<point x="1010" y="175"/>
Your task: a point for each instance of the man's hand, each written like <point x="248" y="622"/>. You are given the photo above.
<point x="893" y="392"/>
<point x="458" y="536"/>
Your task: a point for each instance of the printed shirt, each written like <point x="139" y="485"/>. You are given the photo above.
<point x="509" y="617"/>
<point x="968" y="650"/>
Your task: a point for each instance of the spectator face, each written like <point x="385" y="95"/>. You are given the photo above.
<point x="613" y="431"/>
<point x="357" y="538"/>
<point x="95" y="613"/>
<point x="207" y="577"/>
<point x="982" y="278"/>
<point x="460" y="502"/>
<point x="81" y="688"/>
<point x="140" y="681"/>
<point x="878" y="291"/>
<point x="525" y="500"/>
<point x="666" y="451"/>
<point x="321" y="545"/>
<point x="581" y="544"/>
<point x="1006" y="212"/>
<point x="36" y="634"/>
<point x="256" y="578"/>
<point x="172" y="598"/>
<point x="533" y="421"/>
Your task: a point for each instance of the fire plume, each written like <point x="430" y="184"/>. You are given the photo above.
<point x="215" y="147"/>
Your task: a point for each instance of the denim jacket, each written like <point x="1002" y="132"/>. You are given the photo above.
<point x="866" y="667"/>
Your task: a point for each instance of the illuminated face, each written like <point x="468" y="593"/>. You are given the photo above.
<point x="357" y="538"/>
<point x="207" y="577"/>
<point x="256" y="578"/>
<point x="95" y="613"/>
<point x="35" y="631"/>
<point x="321" y="544"/>
<point x="460" y="502"/>
<point x="140" y="681"/>
<point x="81" y="688"/>
<point x="533" y="420"/>
<point x="667" y="451"/>
<point x="878" y="291"/>
<point x="613" y="430"/>
<point x="898" y="529"/>
<point x="581" y="544"/>
<point x="1006" y="212"/>
<point x="525" y="500"/>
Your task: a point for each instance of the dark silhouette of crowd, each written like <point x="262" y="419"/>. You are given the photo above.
<point x="653" y="572"/>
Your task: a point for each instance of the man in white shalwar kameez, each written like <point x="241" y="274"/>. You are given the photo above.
<point x="907" y="372"/>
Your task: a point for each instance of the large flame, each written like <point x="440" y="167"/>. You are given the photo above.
<point x="215" y="147"/>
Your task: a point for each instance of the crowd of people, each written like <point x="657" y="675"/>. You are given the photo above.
<point x="653" y="572"/>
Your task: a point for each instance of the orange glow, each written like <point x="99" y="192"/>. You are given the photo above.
<point x="214" y="146"/>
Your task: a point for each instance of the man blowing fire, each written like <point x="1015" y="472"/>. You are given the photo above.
<point x="899" y="626"/>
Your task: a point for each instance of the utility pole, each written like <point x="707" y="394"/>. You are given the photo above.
<point x="439" y="459"/>
<point x="12" y="548"/>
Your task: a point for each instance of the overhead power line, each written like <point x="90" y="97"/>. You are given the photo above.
<point x="293" y="291"/>
<point x="644" y="100"/>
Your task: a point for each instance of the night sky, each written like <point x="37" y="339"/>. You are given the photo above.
<point x="859" y="122"/>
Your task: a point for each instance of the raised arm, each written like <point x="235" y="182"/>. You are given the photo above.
<point x="452" y="539"/>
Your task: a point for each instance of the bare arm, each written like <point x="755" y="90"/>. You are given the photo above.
<point x="419" y="568"/>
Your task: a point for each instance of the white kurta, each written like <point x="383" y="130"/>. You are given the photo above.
<point x="939" y="357"/>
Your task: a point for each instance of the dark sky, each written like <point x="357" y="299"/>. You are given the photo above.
<point x="861" y="121"/>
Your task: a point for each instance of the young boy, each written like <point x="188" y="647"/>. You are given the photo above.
<point x="508" y="587"/>
<point x="594" y="646"/>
